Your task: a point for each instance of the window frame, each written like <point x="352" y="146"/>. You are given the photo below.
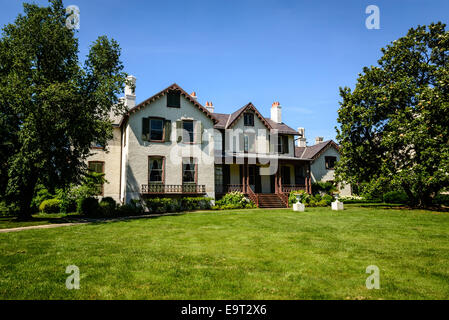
<point x="327" y="162"/>
<point x="191" y="135"/>
<point x="178" y="95"/>
<point x="150" y="119"/>
<point x="162" y="182"/>
<point x="248" y="119"/>
<point x="195" y="171"/>
<point x="103" y="171"/>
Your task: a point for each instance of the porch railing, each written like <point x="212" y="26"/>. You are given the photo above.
<point x="225" y="188"/>
<point x="292" y="187"/>
<point x="254" y="198"/>
<point x="173" y="188"/>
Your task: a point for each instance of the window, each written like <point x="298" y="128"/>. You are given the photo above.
<point x="188" y="171"/>
<point x="97" y="145"/>
<point x="174" y="99"/>
<point x="282" y="144"/>
<point x="330" y="162"/>
<point x="285" y="175"/>
<point x="249" y="142"/>
<point x="97" y="167"/>
<point x="156" y="129"/>
<point x="156" y="170"/>
<point x="249" y="119"/>
<point x="187" y="136"/>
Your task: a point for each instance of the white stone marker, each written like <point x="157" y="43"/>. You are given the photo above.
<point x="299" y="207"/>
<point x="337" y="205"/>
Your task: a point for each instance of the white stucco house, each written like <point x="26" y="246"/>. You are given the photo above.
<point x="170" y="145"/>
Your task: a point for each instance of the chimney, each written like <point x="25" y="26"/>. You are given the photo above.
<point x="319" y="140"/>
<point x="130" y="92"/>
<point x="276" y="112"/>
<point x="193" y="95"/>
<point x="210" y="107"/>
<point x="302" y="141"/>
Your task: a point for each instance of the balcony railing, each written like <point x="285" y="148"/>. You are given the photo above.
<point x="287" y="188"/>
<point x="173" y="189"/>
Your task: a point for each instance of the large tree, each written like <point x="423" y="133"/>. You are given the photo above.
<point x="52" y="108"/>
<point x="394" y="126"/>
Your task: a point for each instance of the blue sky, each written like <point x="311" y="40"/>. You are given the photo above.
<point x="232" y="52"/>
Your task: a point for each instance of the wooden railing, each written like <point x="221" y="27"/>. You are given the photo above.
<point x="225" y="188"/>
<point x="284" y="198"/>
<point x="253" y="197"/>
<point x="292" y="187"/>
<point x="173" y="189"/>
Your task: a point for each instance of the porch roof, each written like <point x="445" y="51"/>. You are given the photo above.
<point x="259" y="156"/>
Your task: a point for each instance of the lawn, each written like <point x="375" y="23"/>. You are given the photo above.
<point x="249" y="254"/>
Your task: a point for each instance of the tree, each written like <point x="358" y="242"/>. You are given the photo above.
<point x="394" y="126"/>
<point x="51" y="107"/>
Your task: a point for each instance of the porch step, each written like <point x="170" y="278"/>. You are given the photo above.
<point x="270" y="201"/>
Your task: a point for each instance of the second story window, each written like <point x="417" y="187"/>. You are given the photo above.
<point x="283" y="144"/>
<point x="188" y="134"/>
<point x="174" y="99"/>
<point x="156" y="129"/>
<point x="330" y="162"/>
<point x="249" y="119"/>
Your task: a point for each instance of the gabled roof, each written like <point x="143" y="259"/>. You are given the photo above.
<point x="239" y="113"/>
<point x="313" y="152"/>
<point x="225" y="121"/>
<point x="162" y="93"/>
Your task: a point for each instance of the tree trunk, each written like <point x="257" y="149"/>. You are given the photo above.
<point x="411" y="197"/>
<point x="26" y="196"/>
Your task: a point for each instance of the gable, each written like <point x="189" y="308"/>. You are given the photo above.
<point x="162" y="95"/>
<point x="236" y="116"/>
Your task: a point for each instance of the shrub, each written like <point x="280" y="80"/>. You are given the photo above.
<point x="129" y="209"/>
<point x="395" y="197"/>
<point x="163" y="205"/>
<point x="90" y="207"/>
<point x="441" y="200"/>
<point x="234" y="200"/>
<point x="304" y="197"/>
<point x="108" y="207"/>
<point x="328" y="198"/>
<point x="41" y="194"/>
<point x="50" y="206"/>
<point x="323" y="187"/>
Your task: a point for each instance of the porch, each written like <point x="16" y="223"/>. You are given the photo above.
<point x="173" y="189"/>
<point x="255" y="180"/>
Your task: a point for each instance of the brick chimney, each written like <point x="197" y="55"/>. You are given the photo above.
<point x="130" y="92"/>
<point x="302" y="141"/>
<point x="276" y="112"/>
<point x="210" y="107"/>
<point x="319" y="140"/>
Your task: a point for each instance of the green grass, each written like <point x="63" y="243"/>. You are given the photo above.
<point x="238" y="254"/>
<point x="37" y="220"/>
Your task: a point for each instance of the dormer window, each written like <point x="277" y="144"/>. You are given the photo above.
<point x="174" y="99"/>
<point x="248" y="119"/>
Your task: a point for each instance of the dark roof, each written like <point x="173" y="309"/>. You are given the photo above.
<point x="313" y="152"/>
<point x="225" y="121"/>
<point x="162" y="93"/>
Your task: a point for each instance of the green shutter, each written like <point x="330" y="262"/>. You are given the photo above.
<point x="178" y="131"/>
<point x="167" y="129"/>
<point x="145" y="129"/>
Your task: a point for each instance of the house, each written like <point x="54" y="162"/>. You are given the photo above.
<point x="170" y="145"/>
<point x="324" y="155"/>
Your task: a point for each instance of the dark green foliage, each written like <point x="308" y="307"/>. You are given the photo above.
<point x="50" y="206"/>
<point x="395" y="197"/>
<point x="41" y="194"/>
<point x="164" y="205"/>
<point x="394" y="124"/>
<point x="441" y="200"/>
<point x="52" y="108"/>
<point x="108" y="207"/>
<point x="90" y="207"/>
<point x="310" y="200"/>
<point x="323" y="187"/>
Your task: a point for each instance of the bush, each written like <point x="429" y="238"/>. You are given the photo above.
<point x="328" y="198"/>
<point x="41" y="194"/>
<point x="108" y="207"/>
<point x="164" y="205"/>
<point x="234" y="200"/>
<point x="323" y="187"/>
<point x="395" y="197"/>
<point x="441" y="200"/>
<point x="304" y="197"/>
<point x="50" y="206"/>
<point x="90" y="207"/>
<point x="129" y="209"/>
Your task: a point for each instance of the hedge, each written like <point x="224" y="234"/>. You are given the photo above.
<point x="50" y="206"/>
